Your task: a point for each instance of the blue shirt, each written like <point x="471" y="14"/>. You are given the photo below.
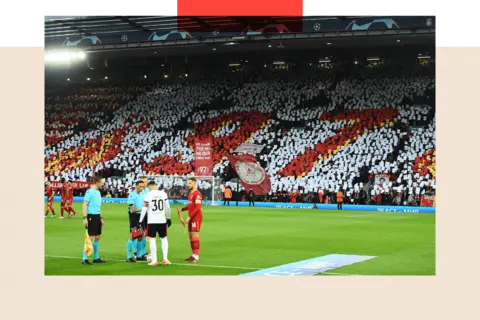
<point x="94" y="199"/>
<point x="144" y="192"/>
<point x="136" y="199"/>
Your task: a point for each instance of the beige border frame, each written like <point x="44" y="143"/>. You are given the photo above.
<point x="27" y="293"/>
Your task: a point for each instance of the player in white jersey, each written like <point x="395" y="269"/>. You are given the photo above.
<point x="157" y="208"/>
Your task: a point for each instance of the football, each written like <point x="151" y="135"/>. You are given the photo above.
<point x="149" y="258"/>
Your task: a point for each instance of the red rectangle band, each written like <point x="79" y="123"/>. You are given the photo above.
<point x="241" y="8"/>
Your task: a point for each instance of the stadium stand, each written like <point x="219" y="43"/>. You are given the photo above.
<point x="325" y="133"/>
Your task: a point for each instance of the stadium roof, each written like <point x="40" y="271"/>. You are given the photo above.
<point x="144" y="36"/>
<point x="373" y="44"/>
<point x="65" y="26"/>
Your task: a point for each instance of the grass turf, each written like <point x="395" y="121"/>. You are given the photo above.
<point x="240" y="240"/>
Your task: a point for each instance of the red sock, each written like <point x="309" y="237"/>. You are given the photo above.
<point x="62" y="210"/>
<point x="48" y="210"/>
<point x="51" y="209"/>
<point x="70" y="209"/>
<point x="195" y="244"/>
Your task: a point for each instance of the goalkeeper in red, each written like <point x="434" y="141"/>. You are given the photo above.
<point x="194" y="219"/>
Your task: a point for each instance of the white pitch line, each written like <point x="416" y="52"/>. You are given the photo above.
<point x="340" y="274"/>
<point x="204" y="265"/>
<point x="177" y="264"/>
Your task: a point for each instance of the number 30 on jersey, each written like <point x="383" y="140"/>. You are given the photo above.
<point x="157" y="205"/>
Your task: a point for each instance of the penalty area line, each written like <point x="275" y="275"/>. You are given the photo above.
<point x="174" y="264"/>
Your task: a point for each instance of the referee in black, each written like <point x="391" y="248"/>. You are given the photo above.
<point x="92" y="218"/>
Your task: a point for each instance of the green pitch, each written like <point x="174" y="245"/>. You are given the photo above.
<point x="240" y="240"/>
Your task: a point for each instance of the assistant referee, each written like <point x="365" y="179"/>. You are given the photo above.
<point x="92" y="218"/>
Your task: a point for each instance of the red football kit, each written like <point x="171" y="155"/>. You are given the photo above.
<point x="50" y="192"/>
<point x="69" y="195"/>
<point x="194" y="208"/>
<point x="69" y="200"/>
<point x="63" y="194"/>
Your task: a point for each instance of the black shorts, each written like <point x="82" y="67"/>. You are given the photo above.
<point x="94" y="225"/>
<point x="134" y="219"/>
<point x="154" y="228"/>
<point x="144" y="222"/>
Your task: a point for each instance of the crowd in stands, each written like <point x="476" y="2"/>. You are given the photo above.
<point x="319" y="134"/>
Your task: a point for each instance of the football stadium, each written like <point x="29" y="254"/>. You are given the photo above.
<point x="241" y="146"/>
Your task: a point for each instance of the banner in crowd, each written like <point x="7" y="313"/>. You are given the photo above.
<point x="251" y="174"/>
<point x="76" y="184"/>
<point x="249" y="148"/>
<point x="203" y="157"/>
<point x="382" y="180"/>
<point x="427" y="201"/>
